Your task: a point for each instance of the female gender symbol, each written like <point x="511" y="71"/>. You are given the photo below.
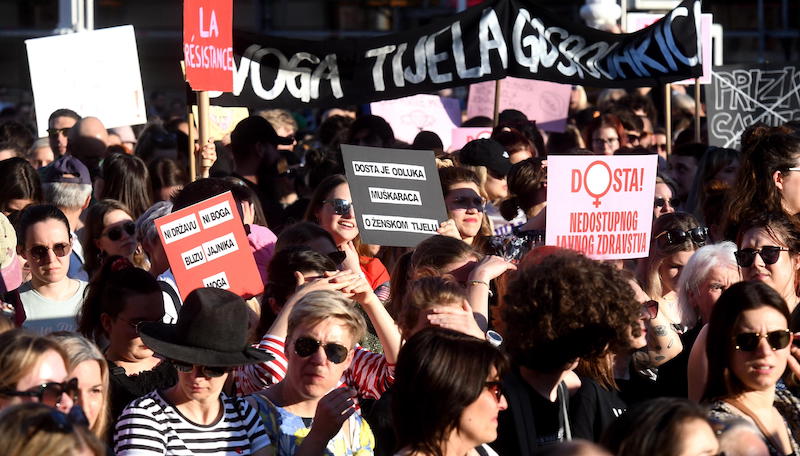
<point x="597" y="180"/>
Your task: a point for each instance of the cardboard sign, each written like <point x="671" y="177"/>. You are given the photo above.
<point x="397" y="197"/>
<point x="742" y="95"/>
<point x="206" y="246"/>
<point x="93" y="73"/>
<point x="638" y="21"/>
<point x="208" y="44"/>
<point x="601" y="205"/>
<point x="222" y="120"/>
<point x="411" y="115"/>
<point x="463" y="135"/>
<point x="545" y="102"/>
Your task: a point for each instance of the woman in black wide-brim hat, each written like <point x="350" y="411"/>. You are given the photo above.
<point x="195" y="416"/>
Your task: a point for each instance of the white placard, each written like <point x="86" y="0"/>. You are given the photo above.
<point x="93" y="73"/>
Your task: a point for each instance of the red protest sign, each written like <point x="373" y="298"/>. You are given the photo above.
<point x="208" y="44"/>
<point x="206" y="246"/>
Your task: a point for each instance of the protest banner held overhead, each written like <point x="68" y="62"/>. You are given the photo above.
<point x="94" y="73"/>
<point x="462" y="135"/>
<point x="742" y="95"/>
<point x="397" y="197"/>
<point x="206" y="246"/>
<point x="489" y="41"/>
<point x="601" y="205"/>
<point x="543" y="101"/>
<point x="208" y="44"/>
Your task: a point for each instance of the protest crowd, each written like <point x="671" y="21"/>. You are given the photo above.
<point x="480" y="339"/>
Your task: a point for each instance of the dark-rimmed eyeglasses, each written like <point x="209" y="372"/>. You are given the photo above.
<point x="496" y="388"/>
<point x="115" y="233"/>
<point x="748" y="341"/>
<point x="204" y="371"/>
<point x="698" y="235"/>
<point x="340" y="206"/>
<point x="768" y="253"/>
<point x="42" y="252"/>
<point x="306" y="346"/>
<point x="660" y="201"/>
<point x="650" y="309"/>
<point x="53" y="132"/>
<point x="48" y="393"/>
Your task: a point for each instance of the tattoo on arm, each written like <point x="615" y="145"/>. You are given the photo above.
<point x="659" y="358"/>
<point x="660" y="330"/>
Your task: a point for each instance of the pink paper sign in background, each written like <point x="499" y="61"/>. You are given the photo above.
<point x="545" y="102"/>
<point x="638" y="21"/>
<point x="601" y="205"/>
<point x="410" y="115"/>
<point x="463" y="135"/>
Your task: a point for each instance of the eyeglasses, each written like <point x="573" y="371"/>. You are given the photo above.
<point x="48" y="393"/>
<point x="53" y="132"/>
<point x="115" y="233"/>
<point x="660" y="201"/>
<point x="748" y="341"/>
<point x="650" y="309"/>
<point x="337" y="256"/>
<point x="769" y="253"/>
<point x="496" y="388"/>
<point x="204" y="371"/>
<point x="633" y="139"/>
<point x="306" y="346"/>
<point x="698" y="235"/>
<point x="42" y="252"/>
<point x="340" y="206"/>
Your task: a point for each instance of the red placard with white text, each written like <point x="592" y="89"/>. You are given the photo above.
<point x="206" y="246"/>
<point x="601" y="205"/>
<point x="208" y="44"/>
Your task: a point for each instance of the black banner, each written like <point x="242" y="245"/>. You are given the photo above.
<point x="742" y="95"/>
<point x="489" y="41"/>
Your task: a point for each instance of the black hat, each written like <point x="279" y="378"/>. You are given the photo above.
<point x="254" y="130"/>
<point x="211" y="331"/>
<point x="67" y="170"/>
<point x="486" y="152"/>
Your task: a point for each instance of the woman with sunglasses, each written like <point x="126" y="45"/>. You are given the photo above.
<point x="465" y="207"/>
<point x="331" y="207"/>
<point x="748" y="348"/>
<point x="119" y="298"/>
<point x="665" y="202"/>
<point x="447" y="394"/>
<point x="109" y="230"/>
<point x="51" y="300"/>
<point x="33" y="369"/>
<point x="305" y="413"/>
<point x="194" y="416"/>
<point x="36" y="430"/>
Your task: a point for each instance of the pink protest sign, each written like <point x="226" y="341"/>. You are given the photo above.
<point x="410" y="115"/>
<point x="601" y="205"/>
<point x="638" y="21"/>
<point x="545" y="102"/>
<point x="463" y="135"/>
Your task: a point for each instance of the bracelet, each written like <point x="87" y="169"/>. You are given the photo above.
<point x="481" y="282"/>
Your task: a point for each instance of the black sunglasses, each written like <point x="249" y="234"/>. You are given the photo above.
<point x="48" y="393"/>
<point x="42" y="252"/>
<point x="337" y="257"/>
<point x="340" y="206"/>
<point x="205" y="371"/>
<point x="115" y="233"/>
<point x="769" y="253"/>
<point x="660" y="201"/>
<point x="650" y="309"/>
<point x="698" y="235"/>
<point x="306" y="346"/>
<point x="53" y="132"/>
<point x="748" y="341"/>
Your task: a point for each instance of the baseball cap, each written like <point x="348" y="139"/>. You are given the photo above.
<point x="488" y="153"/>
<point x="66" y="170"/>
<point x="256" y="129"/>
<point x="10" y="269"/>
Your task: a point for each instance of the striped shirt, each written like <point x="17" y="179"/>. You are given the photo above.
<point x="369" y="372"/>
<point x="151" y="425"/>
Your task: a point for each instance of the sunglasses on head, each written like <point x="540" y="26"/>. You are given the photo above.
<point x="769" y="253"/>
<point x="660" y="201"/>
<point x="115" y="233"/>
<point x="42" y="252"/>
<point x="48" y="393"/>
<point x="340" y="206"/>
<point x="698" y="235"/>
<point x="205" y="371"/>
<point x="650" y="309"/>
<point x="496" y="388"/>
<point x="306" y="346"/>
<point x="748" y="341"/>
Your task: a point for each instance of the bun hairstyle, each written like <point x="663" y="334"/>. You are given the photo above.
<point x="525" y="179"/>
